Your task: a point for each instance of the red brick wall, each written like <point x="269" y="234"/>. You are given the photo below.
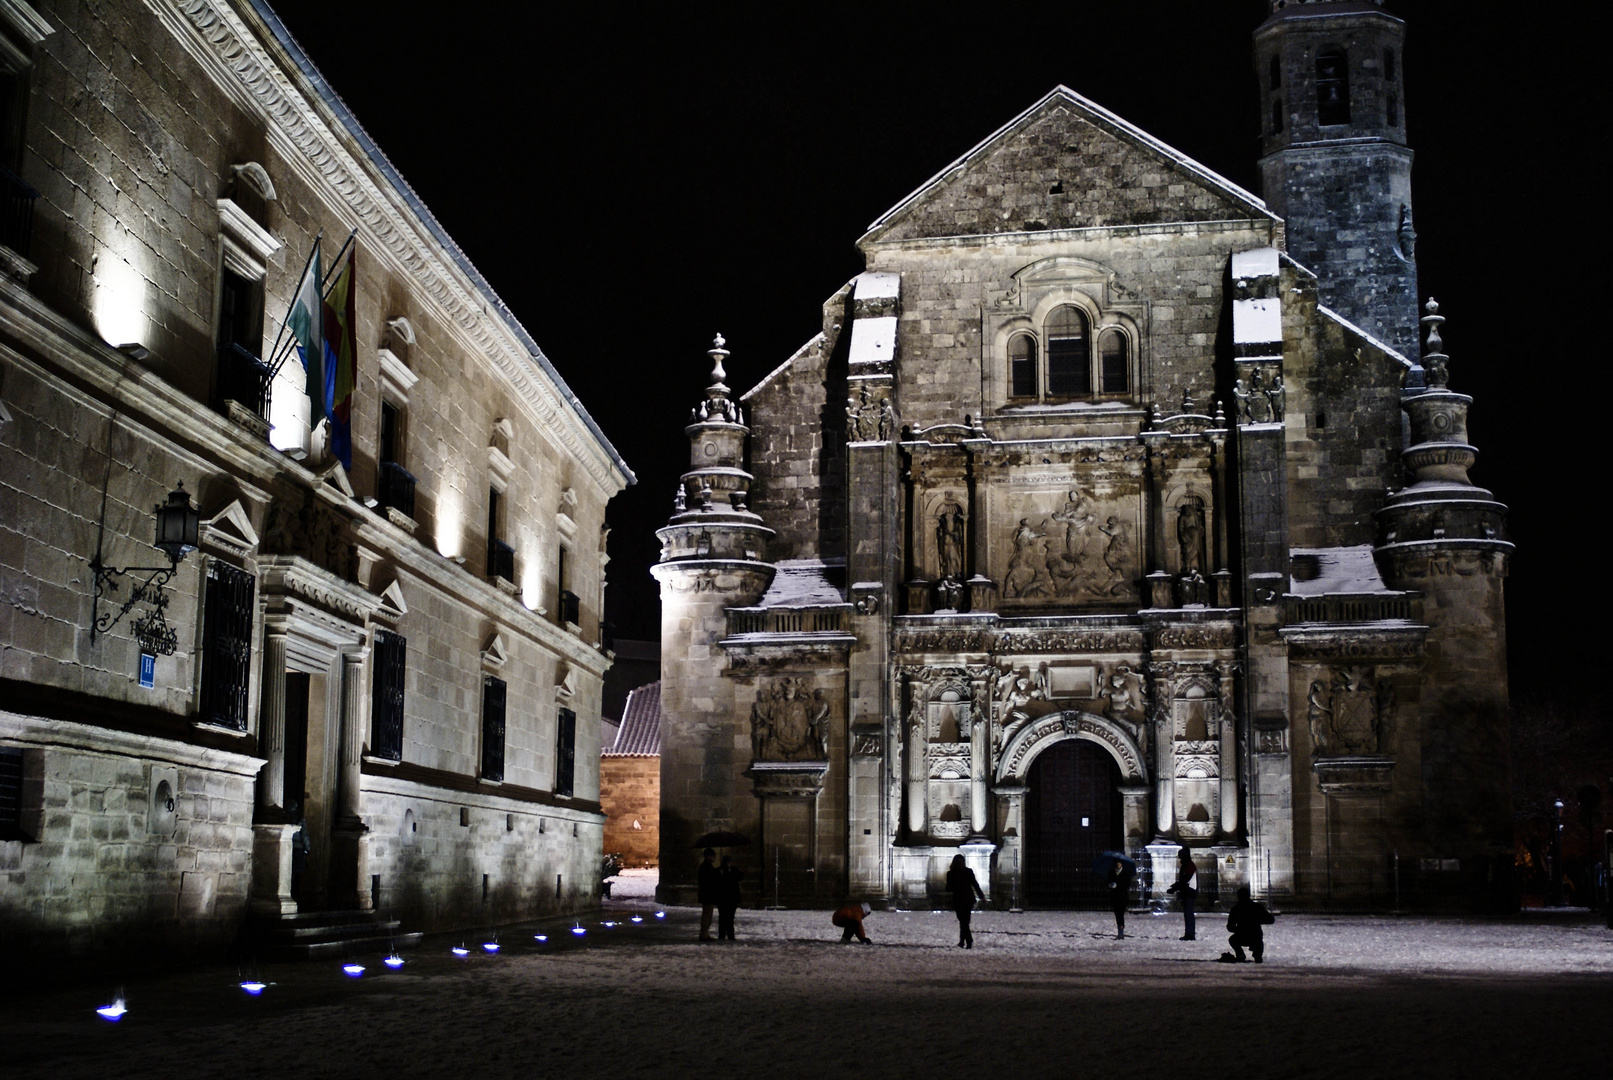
<point x="630" y="790"/>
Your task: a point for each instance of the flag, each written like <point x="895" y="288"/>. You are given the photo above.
<point x="306" y="325"/>
<point x="341" y="355"/>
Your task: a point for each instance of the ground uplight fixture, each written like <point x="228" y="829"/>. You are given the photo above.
<point x="638" y="918"/>
<point x="490" y="946"/>
<point x="578" y="930"/>
<point x="460" y="950"/>
<point x="660" y="914"/>
<point x="540" y="937"/>
<point x="113" y="1012"/>
<point x="178" y="532"/>
<point x="352" y="971"/>
<point x="394" y="961"/>
<point x="254" y="988"/>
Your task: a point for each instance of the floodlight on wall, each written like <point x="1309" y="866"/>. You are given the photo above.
<point x="135" y="350"/>
<point x="178" y="532"/>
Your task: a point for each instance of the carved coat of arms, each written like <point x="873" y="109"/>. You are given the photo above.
<point x="790" y="723"/>
<point x="1351" y="712"/>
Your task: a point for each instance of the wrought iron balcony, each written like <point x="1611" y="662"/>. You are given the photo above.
<point x="500" y="560"/>
<point x="395" y="489"/>
<point x="16" y="212"/>
<point x="243" y="378"/>
<point x="569" y="607"/>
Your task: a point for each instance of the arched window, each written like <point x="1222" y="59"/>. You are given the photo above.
<point x="1332" y="87"/>
<point x="1022" y="365"/>
<point x="1275" y="80"/>
<point x="1069" y="365"/>
<point x="1114" y="363"/>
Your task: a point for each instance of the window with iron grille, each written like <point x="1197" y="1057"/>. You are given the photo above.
<point x="386" y="711"/>
<point x="227" y="645"/>
<point x="10" y="793"/>
<point x="493" y="697"/>
<point x="565" y="753"/>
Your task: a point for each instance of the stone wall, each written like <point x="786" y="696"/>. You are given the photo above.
<point x="630" y="796"/>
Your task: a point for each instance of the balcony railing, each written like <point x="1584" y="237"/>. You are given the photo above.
<point x="824" y="620"/>
<point x="16" y="212"/>
<point x="500" y="560"/>
<point x="569" y="607"/>
<point x="1345" y="608"/>
<point x="395" y="489"/>
<point x="243" y="378"/>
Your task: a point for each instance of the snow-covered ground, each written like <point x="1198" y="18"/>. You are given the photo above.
<point x="1042" y="994"/>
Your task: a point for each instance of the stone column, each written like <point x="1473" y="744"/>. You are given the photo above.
<point x="918" y="771"/>
<point x="350" y="872"/>
<point x="272" y="723"/>
<point x="1164" y="751"/>
<point x="1009" y="882"/>
<point x="1229" y="752"/>
<point x="979" y="734"/>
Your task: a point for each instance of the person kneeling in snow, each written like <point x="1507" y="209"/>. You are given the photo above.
<point x="1245" y="921"/>
<point x="850" y="918"/>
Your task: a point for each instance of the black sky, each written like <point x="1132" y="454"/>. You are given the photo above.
<point x="632" y="181"/>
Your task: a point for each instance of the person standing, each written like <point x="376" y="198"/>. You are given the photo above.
<point x="963" y="886"/>
<point x="850" y="919"/>
<point x="1245" y="922"/>
<point x="1186" y="887"/>
<point x="1121" y="875"/>
<point x="727" y="898"/>
<point x="706" y="892"/>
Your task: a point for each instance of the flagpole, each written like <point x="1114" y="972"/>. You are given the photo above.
<point x="274" y="369"/>
<point x="330" y="276"/>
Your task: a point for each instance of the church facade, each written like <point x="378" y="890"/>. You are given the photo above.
<point x="1114" y="508"/>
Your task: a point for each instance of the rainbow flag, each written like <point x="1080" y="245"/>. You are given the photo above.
<point x="341" y="358"/>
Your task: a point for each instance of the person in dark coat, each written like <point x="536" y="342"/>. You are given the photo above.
<point x="964" y="888"/>
<point x="728" y="876"/>
<point x="1186" y="887"/>
<point x="850" y="919"/>
<point x="1121" y="875"/>
<point x="1245" y="922"/>
<point x="706" y="892"/>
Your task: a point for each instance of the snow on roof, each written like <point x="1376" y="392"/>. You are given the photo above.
<point x="1319" y="571"/>
<point x="1209" y="176"/>
<point x="1257" y="262"/>
<point x="1257" y="321"/>
<point x="640" y="733"/>
<point x="816" y="339"/>
<point x="1354" y="329"/>
<point x="803" y="583"/>
<point x="877" y="286"/>
<point x="873" y="339"/>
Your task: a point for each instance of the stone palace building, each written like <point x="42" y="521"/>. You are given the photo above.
<point x="1113" y="508"/>
<point x="333" y="695"/>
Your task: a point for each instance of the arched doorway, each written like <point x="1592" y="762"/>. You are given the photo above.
<point x="1072" y="812"/>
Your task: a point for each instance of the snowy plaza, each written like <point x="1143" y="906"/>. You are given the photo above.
<point x="1042" y="994"/>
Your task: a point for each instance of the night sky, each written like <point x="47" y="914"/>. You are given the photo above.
<point x="633" y="181"/>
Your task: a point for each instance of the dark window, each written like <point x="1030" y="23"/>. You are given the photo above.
<point x="1393" y="109"/>
<point x="1069" y="366"/>
<point x="1022" y="365"/>
<point x="390" y="446"/>
<point x="1277" y="117"/>
<point x="1274" y="80"/>
<point x="386" y="711"/>
<point x="563" y="586"/>
<point x="242" y="376"/>
<point x="10" y="793"/>
<point x="227" y="645"/>
<point x="238" y="313"/>
<point x="1332" y="87"/>
<point x="1389" y="64"/>
<point x="1115" y="365"/>
<point x="493" y="696"/>
<point x="565" y="752"/>
<point x="394" y="484"/>
<point x="500" y="556"/>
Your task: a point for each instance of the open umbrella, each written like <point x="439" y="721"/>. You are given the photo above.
<point x="720" y="838"/>
<point x="1101" y="863"/>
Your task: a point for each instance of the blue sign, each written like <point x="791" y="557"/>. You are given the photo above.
<point x="148" y="670"/>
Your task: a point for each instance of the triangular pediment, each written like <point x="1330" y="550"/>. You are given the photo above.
<point x="336" y="477"/>
<point x="392" y="607"/>
<point x="230" y="530"/>
<point x="494" y="653"/>
<point x="1064" y="163"/>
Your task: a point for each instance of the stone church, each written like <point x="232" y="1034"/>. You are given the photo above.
<point x="348" y="689"/>
<point x="1114" y="508"/>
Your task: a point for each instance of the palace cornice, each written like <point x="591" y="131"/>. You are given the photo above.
<point x="221" y="40"/>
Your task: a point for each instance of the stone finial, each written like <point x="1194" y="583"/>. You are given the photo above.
<point x="1434" y="358"/>
<point x="718" y="354"/>
<point x="1187" y="401"/>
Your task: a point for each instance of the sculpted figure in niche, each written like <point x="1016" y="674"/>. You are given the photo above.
<point x="1027" y="568"/>
<point x="887" y="420"/>
<point x="1079" y="568"/>
<point x="1190" y="533"/>
<point x="949" y="541"/>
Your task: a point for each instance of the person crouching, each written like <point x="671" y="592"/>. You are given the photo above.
<point x="1245" y="922"/>
<point x="850" y="919"/>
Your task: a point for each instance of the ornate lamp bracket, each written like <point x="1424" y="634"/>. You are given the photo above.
<point x="178" y="524"/>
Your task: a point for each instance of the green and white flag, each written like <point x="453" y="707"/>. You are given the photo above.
<point x="306" y="324"/>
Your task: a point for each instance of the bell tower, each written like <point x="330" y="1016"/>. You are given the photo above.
<point x="1334" y="161"/>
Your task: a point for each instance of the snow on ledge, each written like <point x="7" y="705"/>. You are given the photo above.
<point x="1338" y="570"/>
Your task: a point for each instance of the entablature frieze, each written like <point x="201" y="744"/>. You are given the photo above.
<point x="1383" y="644"/>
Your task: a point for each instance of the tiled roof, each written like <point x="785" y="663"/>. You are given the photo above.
<point x="640" y="734"/>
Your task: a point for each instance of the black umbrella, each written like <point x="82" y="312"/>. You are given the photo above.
<point x="1101" y="863"/>
<point x="721" y="838"/>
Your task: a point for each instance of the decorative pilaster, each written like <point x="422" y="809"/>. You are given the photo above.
<point x="272" y="726"/>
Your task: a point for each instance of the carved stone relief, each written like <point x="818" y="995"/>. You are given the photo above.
<point x="1260" y="394"/>
<point x="1125" y="694"/>
<point x="789" y="722"/>
<point x="870" y="417"/>
<point x="1077" y="549"/>
<point x="1351" y="713"/>
<point x="300" y="524"/>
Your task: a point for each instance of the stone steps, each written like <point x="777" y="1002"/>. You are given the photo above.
<point x="323" y="935"/>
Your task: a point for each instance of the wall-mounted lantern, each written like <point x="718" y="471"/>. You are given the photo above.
<point x="178" y="531"/>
